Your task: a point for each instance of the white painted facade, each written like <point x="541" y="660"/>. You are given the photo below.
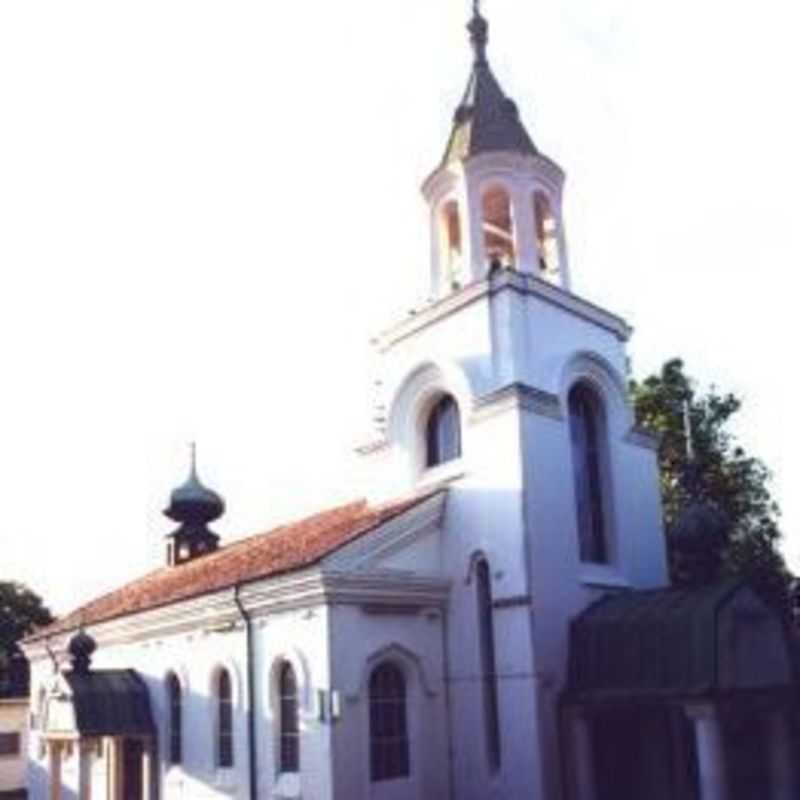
<point x="508" y="344"/>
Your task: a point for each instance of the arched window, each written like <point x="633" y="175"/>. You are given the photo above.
<point x="175" y="740"/>
<point x="498" y="227"/>
<point x="587" y="432"/>
<point x="491" y="706"/>
<point x="451" y="245"/>
<point x="224" y="720"/>
<point x="388" y="724"/>
<point x="546" y="234"/>
<point x="443" y="433"/>
<point x="289" y="719"/>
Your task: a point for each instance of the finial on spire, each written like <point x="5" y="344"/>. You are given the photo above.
<point x="193" y="458"/>
<point x="478" y="32"/>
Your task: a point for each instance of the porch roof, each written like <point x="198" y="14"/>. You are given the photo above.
<point x="112" y="702"/>
<point x="672" y="643"/>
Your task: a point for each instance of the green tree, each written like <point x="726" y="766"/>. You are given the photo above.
<point x="21" y="612"/>
<point x="711" y="488"/>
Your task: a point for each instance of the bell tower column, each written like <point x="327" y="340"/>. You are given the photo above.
<point x="527" y="244"/>
<point x="474" y="239"/>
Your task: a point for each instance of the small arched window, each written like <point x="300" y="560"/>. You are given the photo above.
<point x="587" y="433"/>
<point x="289" y="719"/>
<point x="388" y="724"/>
<point x="175" y="740"/>
<point x="224" y="720"/>
<point x="443" y="433"/>
<point x="491" y="705"/>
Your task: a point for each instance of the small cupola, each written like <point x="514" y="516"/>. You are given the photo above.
<point x="194" y="506"/>
<point x="495" y="199"/>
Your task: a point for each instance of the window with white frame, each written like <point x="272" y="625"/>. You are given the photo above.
<point x="588" y="437"/>
<point x="443" y="433"/>
<point x="175" y="711"/>
<point x="289" y="719"/>
<point x="388" y="724"/>
<point x="224" y="698"/>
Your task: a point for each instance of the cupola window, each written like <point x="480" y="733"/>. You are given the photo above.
<point x="587" y="433"/>
<point x="443" y="433"/>
<point x="546" y="235"/>
<point x="498" y="228"/>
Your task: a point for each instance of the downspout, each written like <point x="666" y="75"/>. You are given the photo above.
<point x="251" y="693"/>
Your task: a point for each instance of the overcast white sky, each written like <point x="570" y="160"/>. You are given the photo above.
<point x="206" y="208"/>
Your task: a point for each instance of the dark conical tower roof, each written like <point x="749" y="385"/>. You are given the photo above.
<point x="486" y="120"/>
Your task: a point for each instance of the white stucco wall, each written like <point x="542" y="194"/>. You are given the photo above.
<point x="509" y="351"/>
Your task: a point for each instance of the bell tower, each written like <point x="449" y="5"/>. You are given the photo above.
<point x="495" y="200"/>
<point x="511" y="391"/>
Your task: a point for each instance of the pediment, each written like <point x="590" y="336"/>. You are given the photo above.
<point x="410" y="543"/>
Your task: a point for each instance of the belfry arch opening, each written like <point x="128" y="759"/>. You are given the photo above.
<point x="451" y="245"/>
<point x="498" y="227"/>
<point x="546" y="235"/>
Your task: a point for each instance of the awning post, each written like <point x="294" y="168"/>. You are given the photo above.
<point x="709" y="742"/>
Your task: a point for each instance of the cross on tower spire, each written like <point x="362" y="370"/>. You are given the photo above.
<point x="478" y="32"/>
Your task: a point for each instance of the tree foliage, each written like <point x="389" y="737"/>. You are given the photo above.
<point x="21" y="613"/>
<point x="721" y="477"/>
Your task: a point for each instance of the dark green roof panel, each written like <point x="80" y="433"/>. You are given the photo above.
<point x="661" y="642"/>
<point x="110" y="703"/>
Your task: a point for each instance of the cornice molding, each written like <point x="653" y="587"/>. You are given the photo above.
<point x="217" y="613"/>
<point x="517" y="396"/>
<point x="505" y="280"/>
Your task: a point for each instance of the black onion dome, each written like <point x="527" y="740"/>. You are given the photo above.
<point x="81" y="647"/>
<point x="194" y="503"/>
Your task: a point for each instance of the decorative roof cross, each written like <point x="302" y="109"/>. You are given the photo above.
<point x="478" y="32"/>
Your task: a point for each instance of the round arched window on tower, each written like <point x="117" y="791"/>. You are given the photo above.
<point x="443" y="433"/>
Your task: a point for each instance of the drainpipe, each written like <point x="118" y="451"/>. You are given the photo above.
<point x="251" y="693"/>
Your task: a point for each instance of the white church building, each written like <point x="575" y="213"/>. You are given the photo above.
<point x="492" y="621"/>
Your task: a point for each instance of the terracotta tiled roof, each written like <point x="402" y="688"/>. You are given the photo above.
<point x="285" y="549"/>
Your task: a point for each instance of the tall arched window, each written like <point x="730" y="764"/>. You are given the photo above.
<point x="443" y="433"/>
<point x="498" y="227"/>
<point x="224" y="719"/>
<point x="289" y="719"/>
<point x="388" y="724"/>
<point x="587" y="432"/>
<point x="491" y="705"/>
<point x="175" y="740"/>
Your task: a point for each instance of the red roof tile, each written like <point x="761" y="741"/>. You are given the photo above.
<point x="284" y="549"/>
